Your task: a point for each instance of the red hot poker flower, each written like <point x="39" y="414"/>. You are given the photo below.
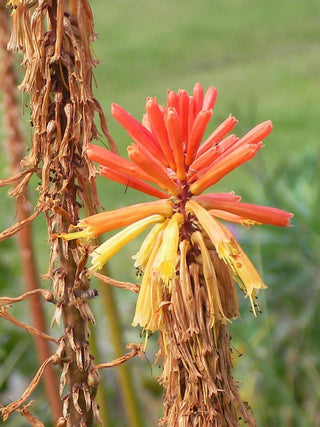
<point x="189" y="259"/>
<point x="168" y="153"/>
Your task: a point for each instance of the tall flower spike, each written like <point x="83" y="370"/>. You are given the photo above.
<point x="190" y="261"/>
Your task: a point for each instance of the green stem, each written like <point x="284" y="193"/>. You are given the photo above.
<point x="133" y="411"/>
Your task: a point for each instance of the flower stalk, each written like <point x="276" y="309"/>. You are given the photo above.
<point x="15" y="144"/>
<point x="54" y="38"/>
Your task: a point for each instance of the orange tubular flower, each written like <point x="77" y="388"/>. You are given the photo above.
<point x="261" y="214"/>
<point x="174" y="127"/>
<point x="100" y="223"/>
<point x="131" y="182"/>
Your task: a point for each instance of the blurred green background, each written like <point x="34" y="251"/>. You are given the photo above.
<point x="264" y="59"/>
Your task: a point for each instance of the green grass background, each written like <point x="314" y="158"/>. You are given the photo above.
<point x="264" y="59"/>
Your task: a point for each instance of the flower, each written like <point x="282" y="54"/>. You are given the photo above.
<point x="168" y="251"/>
<point x="169" y="161"/>
<point x="95" y="225"/>
<point x="106" y="251"/>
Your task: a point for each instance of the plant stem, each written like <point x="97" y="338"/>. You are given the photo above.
<point x="129" y="396"/>
<point x="55" y="38"/>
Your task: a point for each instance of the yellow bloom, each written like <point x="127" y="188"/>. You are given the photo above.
<point x="109" y="248"/>
<point x="14" y="3"/>
<point x="145" y="250"/>
<point x="208" y="223"/>
<point x="210" y="279"/>
<point x="245" y="273"/>
<point x="230" y="251"/>
<point x="150" y="294"/>
<point x="168" y="252"/>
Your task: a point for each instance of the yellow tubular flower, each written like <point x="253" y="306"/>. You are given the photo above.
<point x="248" y="278"/>
<point x="82" y="234"/>
<point x="13" y="3"/>
<point x="210" y="279"/>
<point x="150" y="294"/>
<point x="208" y="223"/>
<point x="230" y="251"/>
<point x="169" y="249"/>
<point x="109" y="248"/>
<point x="144" y="252"/>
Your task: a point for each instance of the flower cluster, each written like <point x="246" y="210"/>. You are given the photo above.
<point x="169" y="161"/>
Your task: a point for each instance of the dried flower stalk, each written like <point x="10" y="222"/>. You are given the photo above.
<point x="25" y="412"/>
<point x="195" y="348"/>
<point x="54" y="37"/>
<point x="110" y="281"/>
<point x="47" y="295"/>
<point x="15" y="147"/>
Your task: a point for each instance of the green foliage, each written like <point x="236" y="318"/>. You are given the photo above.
<point x="291" y="368"/>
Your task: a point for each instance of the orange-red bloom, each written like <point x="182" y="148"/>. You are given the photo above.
<point x="168" y="153"/>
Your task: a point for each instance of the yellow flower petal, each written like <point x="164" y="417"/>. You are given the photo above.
<point x="168" y="253"/>
<point x="210" y="279"/>
<point x="146" y="248"/>
<point x="150" y="294"/>
<point x="230" y="251"/>
<point x="109" y="248"/>
<point x="244" y="271"/>
<point x="208" y="223"/>
<point x="83" y="234"/>
<point x="248" y="275"/>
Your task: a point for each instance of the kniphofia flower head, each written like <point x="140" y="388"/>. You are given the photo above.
<point x="190" y="260"/>
<point x="170" y="160"/>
